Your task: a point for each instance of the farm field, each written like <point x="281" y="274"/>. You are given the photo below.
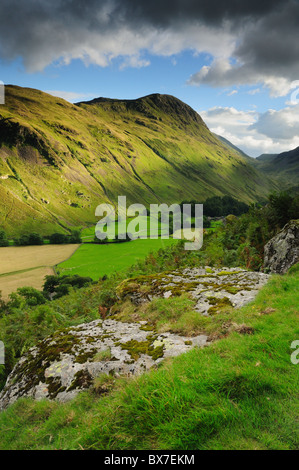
<point x="97" y="260"/>
<point x="28" y="265"/>
<point x="88" y="233"/>
<point x="32" y="277"/>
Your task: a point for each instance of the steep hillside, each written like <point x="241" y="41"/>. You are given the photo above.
<point x="284" y="166"/>
<point x="234" y="147"/>
<point x="58" y="160"/>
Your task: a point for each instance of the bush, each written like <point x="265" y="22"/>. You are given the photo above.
<point x="61" y="238"/>
<point x="31" y="239"/>
<point x="74" y="237"/>
<point x="26" y="296"/>
<point x="3" y="239"/>
<point x="58" y="286"/>
<point x="58" y="238"/>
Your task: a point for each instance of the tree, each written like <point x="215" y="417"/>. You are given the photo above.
<point x="30" y="239"/>
<point x="58" y="238"/>
<point x="3" y="239"/>
<point x="26" y="295"/>
<point x="281" y="208"/>
<point x="35" y="239"/>
<point x="74" y="237"/>
<point x="57" y="286"/>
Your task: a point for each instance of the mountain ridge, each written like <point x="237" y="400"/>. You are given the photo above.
<point x="283" y="167"/>
<point x="59" y="160"/>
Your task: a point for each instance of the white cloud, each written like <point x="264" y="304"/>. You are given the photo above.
<point x="255" y="133"/>
<point x="69" y="95"/>
<point x="221" y="73"/>
<point x="134" y="61"/>
<point x="254" y="91"/>
<point x="279" y="125"/>
<point x="231" y="93"/>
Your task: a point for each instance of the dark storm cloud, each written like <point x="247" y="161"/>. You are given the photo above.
<point x="274" y="39"/>
<point x="164" y="13"/>
<point x="262" y="36"/>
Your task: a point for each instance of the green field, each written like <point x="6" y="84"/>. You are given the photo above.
<point x="88" y="233"/>
<point x="97" y="260"/>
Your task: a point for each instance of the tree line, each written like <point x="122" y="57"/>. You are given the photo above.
<point x="37" y="239"/>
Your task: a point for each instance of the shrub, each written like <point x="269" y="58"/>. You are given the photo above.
<point x="58" y="238"/>
<point x="58" y="286"/>
<point x="3" y="239"/>
<point x="29" y="239"/>
<point x="61" y="238"/>
<point x="74" y="237"/>
<point x="26" y="296"/>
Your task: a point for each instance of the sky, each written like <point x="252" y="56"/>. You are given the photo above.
<point x="236" y="62"/>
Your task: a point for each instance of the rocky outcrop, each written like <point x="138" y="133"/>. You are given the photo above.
<point x="64" y="364"/>
<point x="212" y="288"/>
<point x="282" y="251"/>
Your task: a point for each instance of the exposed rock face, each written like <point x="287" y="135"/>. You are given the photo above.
<point x="282" y="251"/>
<point x="63" y="364"/>
<point x="211" y="288"/>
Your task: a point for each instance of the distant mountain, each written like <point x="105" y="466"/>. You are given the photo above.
<point x="266" y="157"/>
<point x="59" y="160"/>
<point x="283" y="167"/>
<point x="232" y="146"/>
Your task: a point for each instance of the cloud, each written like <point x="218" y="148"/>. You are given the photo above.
<point x="231" y="93"/>
<point x="134" y="61"/>
<point x="222" y="73"/>
<point x="279" y="125"/>
<point x="97" y="32"/>
<point x="251" y="41"/>
<point x="253" y="132"/>
<point x="266" y="51"/>
<point x="254" y="91"/>
<point x="70" y="96"/>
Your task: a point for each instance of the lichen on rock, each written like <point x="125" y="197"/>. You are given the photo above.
<point x="231" y="286"/>
<point x="282" y="251"/>
<point x="65" y="363"/>
<point x="69" y="361"/>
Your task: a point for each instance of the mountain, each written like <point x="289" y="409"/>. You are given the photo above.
<point x="284" y="167"/>
<point x="59" y="160"/>
<point x="266" y="157"/>
<point x="233" y="147"/>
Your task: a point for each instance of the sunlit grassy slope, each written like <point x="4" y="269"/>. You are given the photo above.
<point x="239" y="393"/>
<point x="58" y="160"/>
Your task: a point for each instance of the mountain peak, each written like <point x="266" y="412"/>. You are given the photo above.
<point x="151" y="106"/>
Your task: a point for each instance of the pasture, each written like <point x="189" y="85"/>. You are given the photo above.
<point x="97" y="260"/>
